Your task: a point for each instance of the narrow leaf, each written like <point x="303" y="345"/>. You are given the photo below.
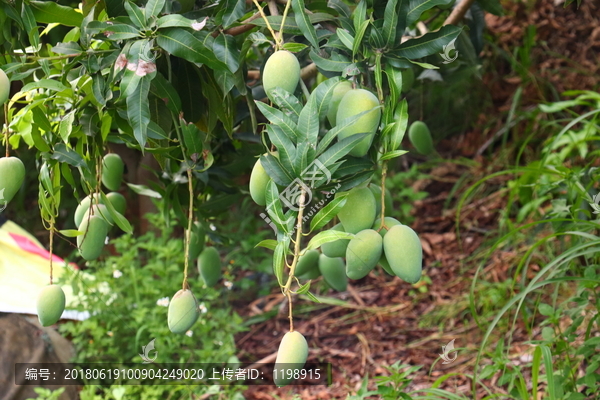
<point x="304" y="23"/>
<point x="327" y="213"/>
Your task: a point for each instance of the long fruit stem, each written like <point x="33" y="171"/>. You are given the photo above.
<point x="287" y="288"/>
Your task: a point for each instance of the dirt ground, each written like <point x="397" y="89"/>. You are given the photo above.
<point x="382" y="322"/>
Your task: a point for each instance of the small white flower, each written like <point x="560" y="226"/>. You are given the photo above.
<point x="213" y="227"/>
<point x="189" y="333"/>
<point x="199" y="25"/>
<point x="228" y="284"/>
<point x="163" y="302"/>
<point x="144" y="68"/>
<point x="132" y="66"/>
<point x="202" y="308"/>
<point x="109" y="333"/>
<point x="117" y="274"/>
<point x="121" y="62"/>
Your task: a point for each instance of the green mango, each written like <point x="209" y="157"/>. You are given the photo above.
<point x="209" y="266"/>
<point x="197" y="241"/>
<point x="291" y="356"/>
<point x="281" y="70"/>
<point x="420" y="137"/>
<point x="376" y="190"/>
<point x="334" y="272"/>
<point x="359" y="211"/>
<point x="84" y="207"/>
<point x="363" y="253"/>
<point x="50" y="305"/>
<point x="336" y="97"/>
<point x="12" y="176"/>
<point x="118" y="202"/>
<point x="91" y="242"/>
<point x="404" y="253"/>
<point x="338" y="247"/>
<point x="112" y="171"/>
<point x="383" y="262"/>
<point x="183" y="311"/>
<point x="389" y="222"/>
<point x="258" y="184"/>
<point x="4" y="87"/>
<point x="354" y="102"/>
<point x="307" y="262"/>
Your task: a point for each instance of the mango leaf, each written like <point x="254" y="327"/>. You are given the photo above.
<point x="399" y="130"/>
<point x="138" y="110"/>
<point x="67" y="48"/>
<point x="308" y="122"/>
<point x="294" y="47"/>
<point x="279" y="262"/>
<point x="234" y="10"/>
<point x="346" y="38"/>
<point x="119" y="219"/>
<point x="174" y="21"/>
<point x="291" y="26"/>
<point x="280" y="119"/>
<point x="226" y="51"/>
<point x="136" y="15"/>
<point x="64" y="154"/>
<point x="181" y="43"/>
<point x="340" y="149"/>
<point x="166" y="91"/>
<point x="418" y="7"/>
<point x="289" y="104"/>
<point x="390" y="23"/>
<point x="304" y="288"/>
<point x="428" y="44"/>
<point x="143" y="190"/>
<point x="153" y="8"/>
<point x="322" y="95"/>
<point x="360" y="33"/>
<point x="360" y="15"/>
<point x="70" y="233"/>
<point x="49" y="12"/>
<point x="274" y="207"/>
<point x="327" y="236"/>
<point x="287" y="150"/>
<point x="393" y="154"/>
<point x="192" y="137"/>
<point x="268" y="244"/>
<point x="327" y="213"/>
<point x="275" y="170"/>
<point x="65" y="126"/>
<point x="308" y="30"/>
<point x="328" y="64"/>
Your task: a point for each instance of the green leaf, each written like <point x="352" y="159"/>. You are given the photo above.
<point x="183" y="44"/>
<point x="328" y="64"/>
<point x="166" y="91"/>
<point x="40" y="118"/>
<point x="428" y="44"/>
<point x="340" y="126"/>
<point x="153" y="8"/>
<point x="327" y="213"/>
<point x="226" y="51"/>
<point x="136" y="15"/>
<point x="327" y="236"/>
<point x="192" y="138"/>
<point x="340" y="149"/>
<point x="118" y="31"/>
<point x="49" y="84"/>
<point x="304" y="288"/>
<point x="274" y="207"/>
<point x="390" y="23"/>
<point x="546" y="309"/>
<point x="289" y="104"/>
<point x="138" y="110"/>
<point x="49" y="12"/>
<point x="308" y="30"/>
<point x="65" y="126"/>
<point x="291" y="26"/>
<point x="287" y="150"/>
<point x="314" y="298"/>
<point x="143" y="190"/>
<point x="174" y="21"/>
<point x="119" y="219"/>
<point x="234" y="10"/>
<point x="64" y="154"/>
<point x="393" y="154"/>
<point x="275" y="170"/>
<point x="280" y="119"/>
<point x="308" y="122"/>
<point x="294" y="47"/>
<point x="322" y="95"/>
<point x="70" y="48"/>
<point x="360" y="15"/>
<point x="268" y="244"/>
<point x="360" y="33"/>
<point x="346" y="38"/>
<point x="400" y="126"/>
<point x="279" y="261"/>
<point x="418" y="7"/>
<point x="70" y="233"/>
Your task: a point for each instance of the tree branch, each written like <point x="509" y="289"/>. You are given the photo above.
<point x="459" y="12"/>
